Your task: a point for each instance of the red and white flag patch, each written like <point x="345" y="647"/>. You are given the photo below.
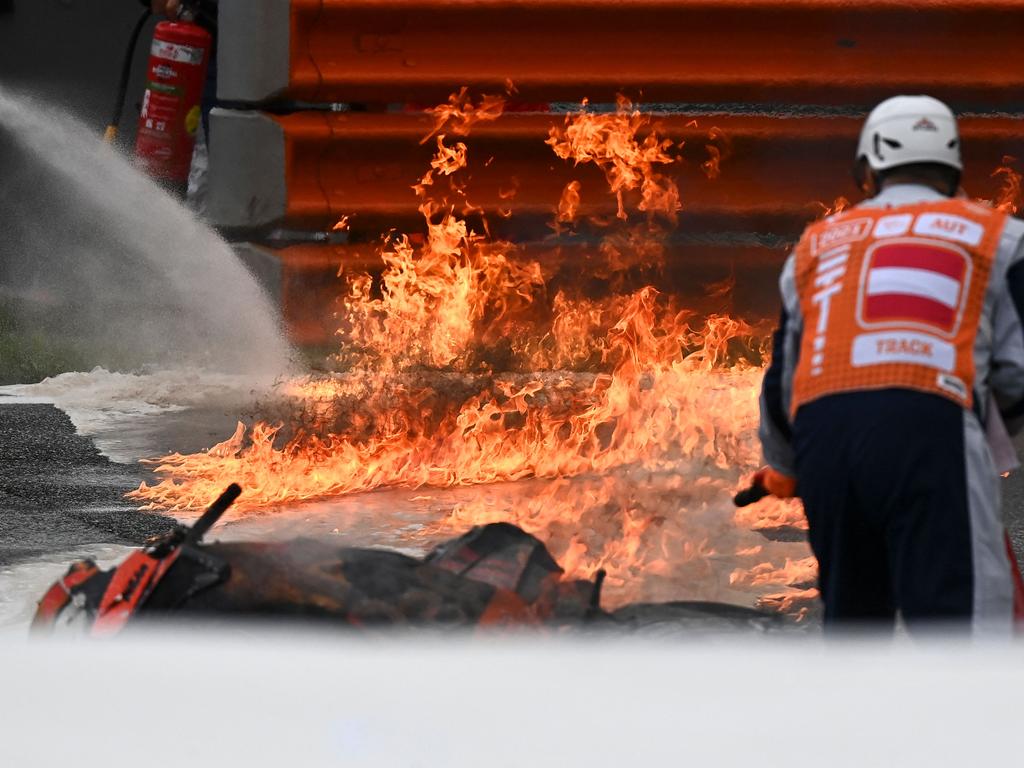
<point x="917" y="282"/>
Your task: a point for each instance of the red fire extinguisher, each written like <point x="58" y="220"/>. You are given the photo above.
<point x="172" y="105"/>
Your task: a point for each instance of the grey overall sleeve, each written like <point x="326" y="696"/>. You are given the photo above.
<point x="1006" y="373"/>
<point x="776" y="430"/>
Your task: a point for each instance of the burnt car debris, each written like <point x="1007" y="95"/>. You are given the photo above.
<point x="494" y="576"/>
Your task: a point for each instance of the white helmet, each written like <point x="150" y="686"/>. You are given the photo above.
<point x="910" y="129"/>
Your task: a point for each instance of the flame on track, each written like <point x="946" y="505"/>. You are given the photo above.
<point x="461" y="365"/>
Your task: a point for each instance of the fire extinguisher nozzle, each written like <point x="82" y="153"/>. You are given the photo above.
<point x="750" y="495"/>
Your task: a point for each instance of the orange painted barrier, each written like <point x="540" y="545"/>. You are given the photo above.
<point x="311" y="289"/>
<point x="777" y="173"/>
<point x="752" y="51"/>
<point x="776" y="88"/>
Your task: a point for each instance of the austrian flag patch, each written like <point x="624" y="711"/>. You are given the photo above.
<point x="894" y="299"/>
<point x="914" y="282"/>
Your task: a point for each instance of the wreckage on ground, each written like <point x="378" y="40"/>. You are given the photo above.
<point x="495" y="576"/>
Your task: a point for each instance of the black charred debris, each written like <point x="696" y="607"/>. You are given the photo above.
<point x="495" y="576"/>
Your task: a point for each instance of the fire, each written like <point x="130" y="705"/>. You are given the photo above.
<point x="630" y="163"/>
<point x="568" y="205"/>
<point x="793" y="601"/>
<point x="458" y="367"/>
<point x="772" y="513"/>
<point x="674" y="395"/>
<point x="1009" y="197"/>
<point x="435" y="299"/>
<point x="601" y="523"/>
<point x="839" y="205"/>
<point x="801" y="573"/>
<point x="712" y="167"/>
<point x="460" y="114"/>
<point x="797" y="577"/>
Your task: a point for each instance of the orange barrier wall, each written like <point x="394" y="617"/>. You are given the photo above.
<point x="776" y="173"/>
<point x="755" y="51"/>
<point x="785" y="83"/>
<point x="310" y="287"/>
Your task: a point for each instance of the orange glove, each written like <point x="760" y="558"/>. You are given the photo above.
<point x="776" y="483"/>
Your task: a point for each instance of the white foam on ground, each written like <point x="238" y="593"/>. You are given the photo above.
<point x="95" y="398"/>
<point x="102" y="404"/>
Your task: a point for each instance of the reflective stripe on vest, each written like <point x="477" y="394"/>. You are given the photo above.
<point x="893" y="298"/>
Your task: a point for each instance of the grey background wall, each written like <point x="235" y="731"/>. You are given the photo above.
<point x="70" y="51"/>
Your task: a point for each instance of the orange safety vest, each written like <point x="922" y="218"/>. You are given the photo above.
<point x="892" y="298"/>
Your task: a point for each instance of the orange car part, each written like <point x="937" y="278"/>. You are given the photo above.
<point x="132" y="582"/>
<point x="59" y="595"/>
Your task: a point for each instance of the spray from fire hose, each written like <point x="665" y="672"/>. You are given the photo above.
<point x="97" y="257"/>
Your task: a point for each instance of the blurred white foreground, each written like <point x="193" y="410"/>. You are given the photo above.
<point x="263" y="698"/>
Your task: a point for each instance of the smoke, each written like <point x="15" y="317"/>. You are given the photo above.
<point x="97" y="257"/>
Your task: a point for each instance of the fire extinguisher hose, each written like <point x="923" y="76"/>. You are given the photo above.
<point x="126" y="73"/>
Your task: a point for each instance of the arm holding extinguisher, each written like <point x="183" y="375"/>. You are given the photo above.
<point x="778" y="478"/>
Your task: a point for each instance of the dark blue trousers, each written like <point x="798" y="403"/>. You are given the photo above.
<point x="884" y="484"/>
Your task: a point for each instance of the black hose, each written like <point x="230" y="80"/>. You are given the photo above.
<point x="126" y="74"/>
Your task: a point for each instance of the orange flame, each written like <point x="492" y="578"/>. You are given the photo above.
<point x="712" y="167"/>
<point x="665" y="401"/>
<point x="794" y="573"/>
<point x="798" y="578"/>
<point x="612" y="142"/>
<point x="568" y="205"/>
<point x="772" y="513"/>
<point x="839" y="205"/>
<point x="460" y="114"/>
<point x="460" y="369"/>
<point x="790" y="601"/>
<point x="1009" y="197"/>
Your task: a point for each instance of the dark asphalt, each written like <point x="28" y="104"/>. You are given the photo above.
<point x="57" y="492"/>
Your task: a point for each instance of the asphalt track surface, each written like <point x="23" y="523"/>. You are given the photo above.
<point x="58" y="493"/>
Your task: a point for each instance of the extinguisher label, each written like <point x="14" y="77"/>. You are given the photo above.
<point x="172" y="90"/>
<point x="183" y="54"/>
<point x="159" y="111"/>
